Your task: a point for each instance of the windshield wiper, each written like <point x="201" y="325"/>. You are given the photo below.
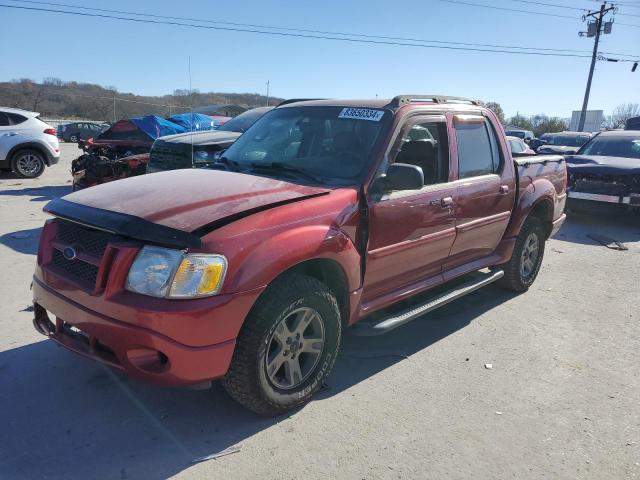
<point x="283" y="167"/>
<point x="231" y="165"/>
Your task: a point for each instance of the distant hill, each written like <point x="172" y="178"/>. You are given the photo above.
<point x="55" y="98"/>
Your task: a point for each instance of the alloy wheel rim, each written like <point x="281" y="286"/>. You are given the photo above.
<point x="28" y="165"/>
<point x="295" y="348"/>
<point x="529" y="256"/>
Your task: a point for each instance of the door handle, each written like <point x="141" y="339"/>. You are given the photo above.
<point x="446" y="202"/>
<point x="504" y="189"/>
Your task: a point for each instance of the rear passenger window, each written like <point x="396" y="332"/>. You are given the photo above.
<point x="478" y="152"/>
<point x="16" y="119"/>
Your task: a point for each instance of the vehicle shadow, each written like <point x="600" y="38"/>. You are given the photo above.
<point x="66" y="417"/>
<point x="617" y="226"/>
<point x="23" y="241"/>
<point x="39" y="194"/>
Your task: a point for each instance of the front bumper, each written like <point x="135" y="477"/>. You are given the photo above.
<point x="557" y="224"/>
<point x="133" y="349"/>
<point x="633" y="199"/>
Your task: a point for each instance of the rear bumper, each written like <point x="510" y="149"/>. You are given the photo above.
<point x="135" y="350"/>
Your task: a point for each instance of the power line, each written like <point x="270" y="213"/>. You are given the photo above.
<point x="297" y="35"/>
<point x="481" y="5"/>
<point x="531" y="12"/>
<point x="550" y="5"/>
<point x="324" y="32"/>
<point x="555" y="5"/>
<point x="290" y="34"/>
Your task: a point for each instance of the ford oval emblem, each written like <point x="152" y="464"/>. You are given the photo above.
<point x="69" y="253"/>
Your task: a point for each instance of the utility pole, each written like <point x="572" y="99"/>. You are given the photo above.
<point x="599" y="16"/>
<point x="114" y="109"/>
<point x="267" y="93"/>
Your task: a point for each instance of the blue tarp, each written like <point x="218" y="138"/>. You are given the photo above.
<point x="194" y="122"/>
<point x="155" y="126"/>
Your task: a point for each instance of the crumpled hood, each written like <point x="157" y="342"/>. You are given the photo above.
<point x="561" y="149"/>
<point x="202" y="138"/>
<point x="601" y="165"/>
<point x="189" y="199"/>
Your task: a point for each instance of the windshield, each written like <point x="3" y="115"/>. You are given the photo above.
<point x="332" y="143"/>
<point x="242" y="122"/>
<point x="622" y="146"/>
<point x="568" y="140"/>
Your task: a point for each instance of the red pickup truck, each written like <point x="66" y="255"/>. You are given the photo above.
<point x="322" y="213"/>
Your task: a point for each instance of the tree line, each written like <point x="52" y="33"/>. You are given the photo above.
<point x="55" y="98"/>
<point x="541" y="123"/>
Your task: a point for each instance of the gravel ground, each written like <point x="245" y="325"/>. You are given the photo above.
<point x="562" y="400"/>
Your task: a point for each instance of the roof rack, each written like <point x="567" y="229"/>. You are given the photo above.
<point x="294" y="100"/>
<point x="400" y="100"/>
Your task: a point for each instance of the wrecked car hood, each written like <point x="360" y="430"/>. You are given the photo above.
<point x="202" y="138"/>
<point x="601" y="165"/>
<point x="557" y="149"/>
<point x="181" y="200"/>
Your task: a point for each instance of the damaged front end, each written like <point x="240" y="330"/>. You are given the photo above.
<point x="99" y="166"/>
<point x="621" y="190"/>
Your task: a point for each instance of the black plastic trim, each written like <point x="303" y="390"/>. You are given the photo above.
<point x="122" y="224"/>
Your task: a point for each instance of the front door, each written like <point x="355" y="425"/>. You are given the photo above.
<point x="411" y="232"/>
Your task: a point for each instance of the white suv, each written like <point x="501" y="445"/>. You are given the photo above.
<point x="27" y="144"/>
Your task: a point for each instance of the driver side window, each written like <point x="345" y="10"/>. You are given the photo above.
<point x="424" y="144"/>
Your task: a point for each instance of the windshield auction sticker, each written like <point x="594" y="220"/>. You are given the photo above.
<point x="362" y="114"/>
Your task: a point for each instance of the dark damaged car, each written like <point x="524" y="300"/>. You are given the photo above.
<point x="607" y="171"/>
<point x="200" y="149"/>
<point x="564" y="143"/>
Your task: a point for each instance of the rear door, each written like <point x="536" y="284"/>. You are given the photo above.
<point x="486" y="188"/>
<point x="411" y="232"/>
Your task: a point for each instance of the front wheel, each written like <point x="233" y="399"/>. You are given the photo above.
<point x="28" y="163"/>
<point x="287" y="346"/>
<point x="523" y="267"/>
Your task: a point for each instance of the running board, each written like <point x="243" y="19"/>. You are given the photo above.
<point x="366" y="329"/>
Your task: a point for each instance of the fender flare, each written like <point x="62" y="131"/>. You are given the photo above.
<point x="538" y="196"/>
<point x="272" y="258"/>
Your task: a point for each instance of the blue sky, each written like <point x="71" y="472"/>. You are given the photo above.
<point x="152" y="59"/>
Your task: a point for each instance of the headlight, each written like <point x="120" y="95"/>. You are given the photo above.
<point x="163" y="272"/>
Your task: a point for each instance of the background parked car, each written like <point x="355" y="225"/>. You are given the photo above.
<point x="632" y="123"/>
<point x="564" y="143"/>
<point x="519" y="148"/>
<point x="606" y="170"/>
<point x="525" y="135"/>
<point x="27" y="144"/>
<point x="72" y="132"/>
<point x="186" y="150"/>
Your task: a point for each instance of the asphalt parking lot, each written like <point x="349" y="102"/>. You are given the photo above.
<point x="561" y="401"/>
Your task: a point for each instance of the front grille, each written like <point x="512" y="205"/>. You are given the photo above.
<point x="170" y="156"/>
<point x="93" y="242"/>
<point x="83" y="272"/>
<point x="89" y="246"/>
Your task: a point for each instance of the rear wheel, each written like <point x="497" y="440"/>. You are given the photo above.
<point x="523" y="267"/>
<point x="28" y="163"/>
<point x="73" y="138"/>
<point x="287" y="346"/>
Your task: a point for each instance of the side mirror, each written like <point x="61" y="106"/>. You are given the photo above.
<point x="402" y="176"/>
